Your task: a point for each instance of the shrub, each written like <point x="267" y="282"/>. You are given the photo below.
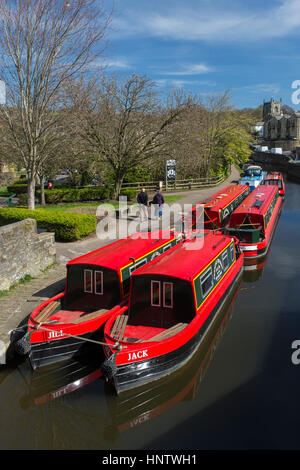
<point x="19" y="188"/>
<point x="54" y="196"/>
<point x="130" y="193"/>
<point x="67" y="227"/>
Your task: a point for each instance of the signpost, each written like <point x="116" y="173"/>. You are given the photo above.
<point x="170" y="171"/>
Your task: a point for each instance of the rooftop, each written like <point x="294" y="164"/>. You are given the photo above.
<point x="188" y="259"/>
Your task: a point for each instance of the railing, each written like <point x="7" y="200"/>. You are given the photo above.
<point x="175" y="185"/>
<point x="8" y="201"/>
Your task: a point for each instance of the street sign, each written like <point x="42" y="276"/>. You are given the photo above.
<point x="171" y="169"/>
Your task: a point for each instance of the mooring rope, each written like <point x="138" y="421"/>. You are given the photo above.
<point x="117" y="345"/>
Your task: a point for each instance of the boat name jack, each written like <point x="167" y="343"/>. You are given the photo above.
<point x="138" y="355"/>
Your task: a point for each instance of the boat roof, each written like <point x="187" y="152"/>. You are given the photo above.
<point x="257" y="202"/>
<point x="186" y="260"/>
<point x="223" y="197"/>
<point x="117" y="254"/>
<point x="274" y="176"/>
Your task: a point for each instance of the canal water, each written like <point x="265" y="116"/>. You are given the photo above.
<point x="241" y="391"/>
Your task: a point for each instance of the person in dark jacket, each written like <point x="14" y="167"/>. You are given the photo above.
<point x="158" y="201"/>
<point x="142" y="199"/>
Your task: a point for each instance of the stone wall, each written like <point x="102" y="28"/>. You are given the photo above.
<point x="24" y="251"/>
<point x="7" y="178"/>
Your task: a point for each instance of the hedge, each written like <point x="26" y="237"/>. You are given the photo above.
<point x="129" y="193"/>
<point x="17" y="188"/>
<point x="67" y="227"/>
<point x="54" y="196"/>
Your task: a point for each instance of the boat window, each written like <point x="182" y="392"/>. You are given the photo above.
<point x="168" y="294"/>
<point x="155" y="293"/>
<point x="137" y="265"/>
<point x="225" y="260"/>
<point x="206" y="281"/>
<point x="91" y="288"/>
<point x="98" y="282"/>
<point x="88" y="281"/>
<point x="232" y="253"/>
<point x="165" y="248"/>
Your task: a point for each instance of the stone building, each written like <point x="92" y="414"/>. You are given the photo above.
<point x="280" y="130"/>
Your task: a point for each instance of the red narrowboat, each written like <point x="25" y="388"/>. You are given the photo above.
<point x="132" y="409"/>
<point x="97" y="286"/>
<point x="275" y="179"/>
<point x="255" y="220"/>
<point x="218" y="207"/>
<point x="173" y="302"/>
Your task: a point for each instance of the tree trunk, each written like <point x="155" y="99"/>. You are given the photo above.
<point x="42" y="198"/>
<point x="31" y="192"/>
<point x="118" y="185"/>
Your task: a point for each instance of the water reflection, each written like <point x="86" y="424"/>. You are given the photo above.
<point x="43" y="387"/>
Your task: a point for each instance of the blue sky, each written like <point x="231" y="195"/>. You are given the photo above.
<point x="208" y="46"/>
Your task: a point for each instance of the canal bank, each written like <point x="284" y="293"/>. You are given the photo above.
<point x="19" y="302"/>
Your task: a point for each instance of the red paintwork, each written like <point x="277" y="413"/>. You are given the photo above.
<point x="216" y="203"/>
<point x="180" y="263"/>
<point x="256" y="217"/>
<point x="114" y="256"/>
<point x="184" y="264"/>
<point x="277" y="180"/>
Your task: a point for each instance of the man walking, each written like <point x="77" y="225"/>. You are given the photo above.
<point x="142" y="199"/>
<point x="158" y="201"/>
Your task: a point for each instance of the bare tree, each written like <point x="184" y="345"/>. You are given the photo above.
<point x="125" y="122"/>
<point x="43" y="43"/>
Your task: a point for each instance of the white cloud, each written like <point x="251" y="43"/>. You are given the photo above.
<point x="193" y="69"/>
<point x="259" y="88"/>
<point x="212" y="21"/>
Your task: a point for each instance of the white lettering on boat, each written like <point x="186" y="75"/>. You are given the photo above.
<point x="55" y="334"/>
<point x="138" y="355"/>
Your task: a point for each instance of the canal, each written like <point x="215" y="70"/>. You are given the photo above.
<point x="241" y="391"/>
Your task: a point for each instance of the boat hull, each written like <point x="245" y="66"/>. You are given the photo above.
<point x="135" y="374"/>
<point x="52" y="352"/>
<point x="50" y="343"/>
<point x="260" y="249"/>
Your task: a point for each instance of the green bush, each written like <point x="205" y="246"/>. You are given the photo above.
<point x="19" y="188"/>
<point x="67" y="227"/>
<point x="130" y="193"/>
<point x="54" y="196"/>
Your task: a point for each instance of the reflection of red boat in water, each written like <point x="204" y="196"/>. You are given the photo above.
<point x="253" y="269"/>
<point x="134" y="408"/>
<point x="97" y="286"/>
<point x="173" y="301"/>
<point x="274" y="178"/>
<point x="56" y="381"/>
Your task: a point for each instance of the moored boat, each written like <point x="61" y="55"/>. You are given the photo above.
<point x="97" y="286"/>
<point x="216" y="209"/>
<point x="136" y="407"/>
<point x="275" y="178"/>
<point x="252" y="177"/>
<point x="173" y="302"/>
<point x="255" y="220"/>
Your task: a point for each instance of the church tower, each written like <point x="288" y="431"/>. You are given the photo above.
<point x="272" y="108"/>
